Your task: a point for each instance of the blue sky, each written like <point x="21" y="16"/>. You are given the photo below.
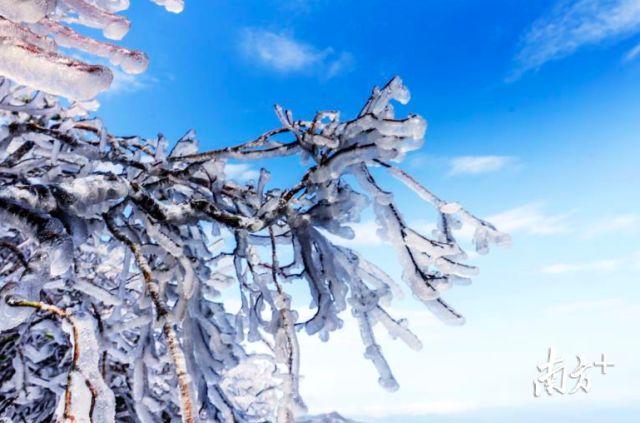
<point x="533" y="123"/>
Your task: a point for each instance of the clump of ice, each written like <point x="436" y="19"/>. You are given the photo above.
<point x="26" y="10"/>
<point x="30" y="65"/>
<point x="28" y="56"/>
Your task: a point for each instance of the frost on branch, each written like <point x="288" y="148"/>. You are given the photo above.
<point x="116" y="251"/>
<point x="31" y="32"/>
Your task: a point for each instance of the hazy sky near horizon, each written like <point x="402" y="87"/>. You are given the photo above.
<point x="533" y="111"/>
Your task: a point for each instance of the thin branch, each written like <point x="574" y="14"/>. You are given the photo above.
<point x="16" y="251"/>
<point x="240" y="150"/>
<point x="175" y="350"/>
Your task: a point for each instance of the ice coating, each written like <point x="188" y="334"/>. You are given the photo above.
<point x="180" y="279"/>
<point x="87" y="397"/>
<point x="94" y="193"/>
<point x="54" y="255"/>
<point x="9" y="29"/>
<point x="133" y="62"/>
<point x="26" y="10"/>
<point x="50" y="72"/>
<point x="31" y="31"/>
<point x="112" y="5"/>
<point x="287" y="355"/>
<point x="250" y="386"/>
<point x="80" y="406"/>
<point x="113" y="26"/>
<point x="88" y="365"/>
<point x="10" y="317"/>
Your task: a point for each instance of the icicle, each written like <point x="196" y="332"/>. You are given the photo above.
<point x="133" y="62"/>
<point x="113" y="26"/>
<point x="10" y="29"/>
<point x="44" y="70"/>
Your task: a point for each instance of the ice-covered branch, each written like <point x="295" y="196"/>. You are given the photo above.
<point x="150" y="242"/>
<point x="32" y="31"/>
<point x="86" y="397"/>
<point x="161" y="310"/>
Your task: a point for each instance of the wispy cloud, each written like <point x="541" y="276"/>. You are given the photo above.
<point x="283" y="53"/>
<point x="124" y="83"/>
<point x="475" y="165"/>
<point x="404" y="410"/>
<point x="365" y="235"/>
<point x="593" y="266"/>
<point x="613" y="224"/>
<point x="241" y="172"/>
<point x="299" y="6"/>
<point x="633" y="53"/>
<point x="573" y="24"/>
<point x="607" y="306"/>
<point x="341" y="64"/>
<point x="630" y="261"/>
<point x="530" y="219"/>
<point x="577" y="307"/>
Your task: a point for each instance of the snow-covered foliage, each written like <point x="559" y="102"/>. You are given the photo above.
<point x="115" y="251"/>
<point x="33" y="31"/>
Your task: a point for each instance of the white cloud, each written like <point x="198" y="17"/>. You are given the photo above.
<point x="573" y="24"/>
<point x="633" y="53"/>
<point x="365" y="235"/>
<point x="613" y="224"/>
<point x="343" y="63"/>
<point x="241" y="172"/>
<point x="592" y="266"/>
<point x="124" y="83"/>
<point x="422" y="408"/>
<point x="630" y="261"/>
<point x="474" y="165"/>
<point x="299" y="6"/>
<point x="584" y="306"/>
<point x="328" y="388"/>
<point x="282" y="53"/>
<point x="531" y="219"/>
<point x="607" y="306"/>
